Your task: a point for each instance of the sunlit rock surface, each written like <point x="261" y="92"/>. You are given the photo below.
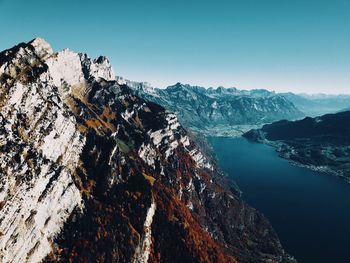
<point x="89" y="172"/>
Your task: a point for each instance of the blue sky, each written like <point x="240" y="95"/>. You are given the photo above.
<point x="282" y="45"/>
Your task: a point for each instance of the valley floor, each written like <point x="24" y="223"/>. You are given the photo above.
<point x="233" y="131"/>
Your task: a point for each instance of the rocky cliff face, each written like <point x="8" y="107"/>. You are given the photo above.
<point x="89" y="172"/>
<point x="220" y="111"/>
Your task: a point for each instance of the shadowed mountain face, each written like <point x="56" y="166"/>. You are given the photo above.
<point x="220" y="111"/>
<point x="92" y="173"/>
<point x="322" y="143"/>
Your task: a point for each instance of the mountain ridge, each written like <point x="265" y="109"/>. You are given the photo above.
<point x="219" y="111"/>
<point x="91" y="172"/>
<point x="237" y="111"/>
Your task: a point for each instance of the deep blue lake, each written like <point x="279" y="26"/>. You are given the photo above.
<point x="310" y="211"/>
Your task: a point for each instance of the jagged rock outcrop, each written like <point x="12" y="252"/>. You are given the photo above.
<point x="89" y="172"/>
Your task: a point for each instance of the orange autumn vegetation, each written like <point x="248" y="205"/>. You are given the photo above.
<point x="103" y="122"/>
<point x="149" y="178"/>
<point x="199" y="242"/>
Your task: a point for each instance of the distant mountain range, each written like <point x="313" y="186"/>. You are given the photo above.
<point x="230" y="111"/>
<point x="321" y="143"/>
<point x="220" y="111"/>
<point x="318" y="104"/>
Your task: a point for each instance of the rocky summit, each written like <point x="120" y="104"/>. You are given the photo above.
<point x="90" y="172"/>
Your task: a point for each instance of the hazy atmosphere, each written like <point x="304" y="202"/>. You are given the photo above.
<point x="300" y="46"/>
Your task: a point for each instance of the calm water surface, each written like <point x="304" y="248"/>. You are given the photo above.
<point x="310" y="211"/>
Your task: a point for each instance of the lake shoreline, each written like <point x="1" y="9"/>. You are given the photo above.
<point x="316" y="168"/>
<point x="307" y="208"/>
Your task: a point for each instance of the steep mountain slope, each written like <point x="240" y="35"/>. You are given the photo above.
<point x="219" y="111"/>
<point x="321" y="143"/>
<point x="89" y="172"/>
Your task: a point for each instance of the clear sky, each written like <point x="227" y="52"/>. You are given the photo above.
<point x="282" y="45"/>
